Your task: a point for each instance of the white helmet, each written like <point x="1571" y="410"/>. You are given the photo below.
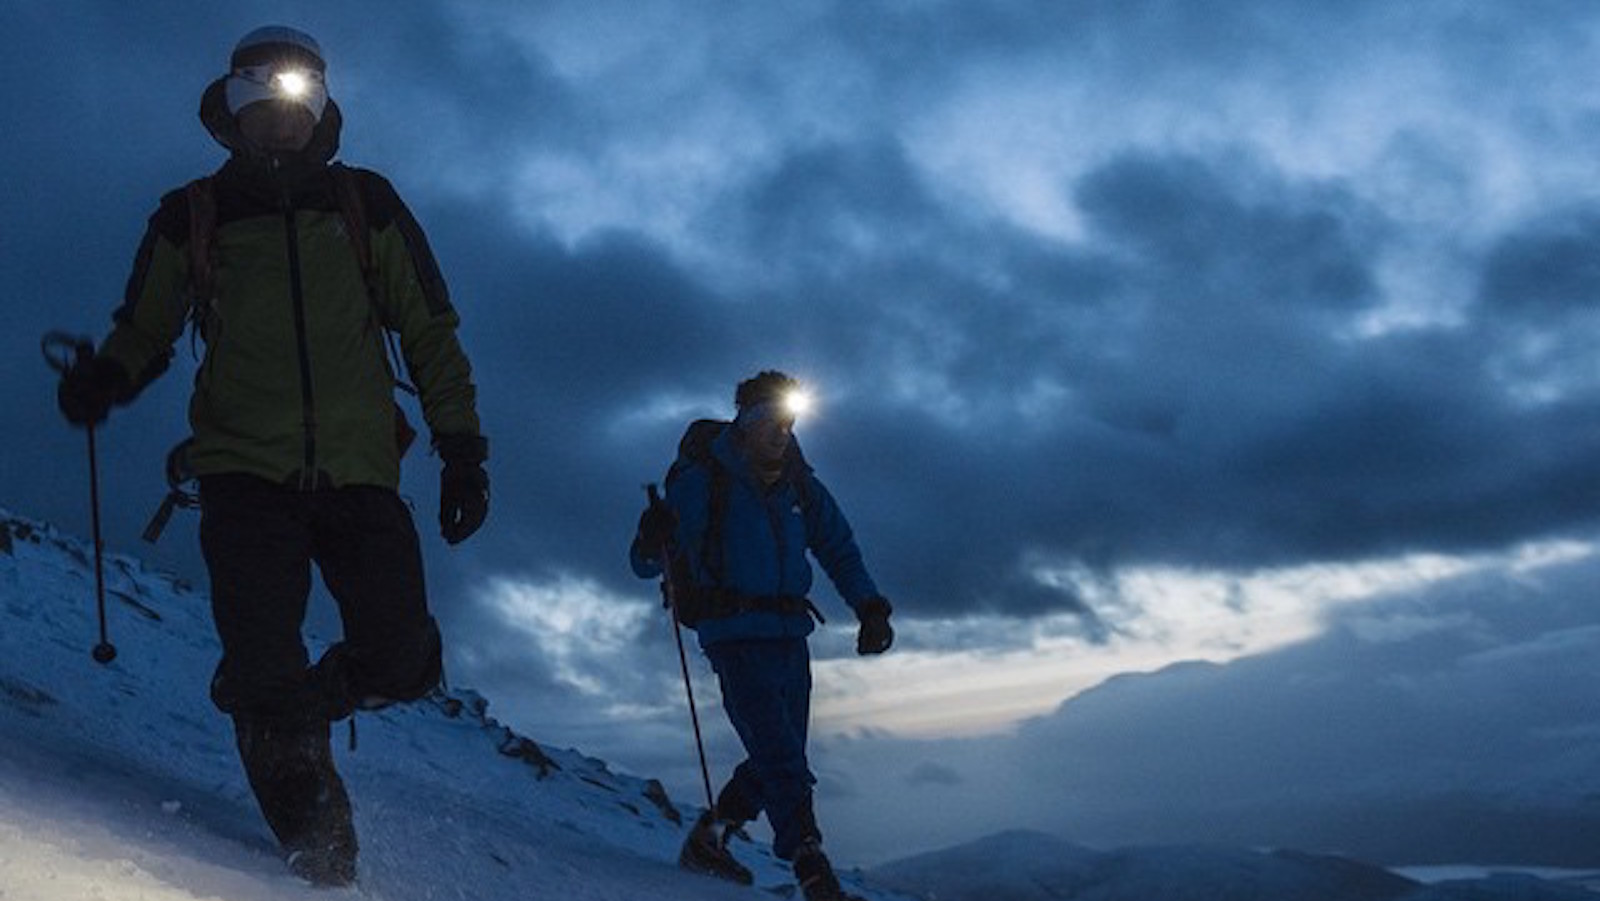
<point x="276" y="62"/>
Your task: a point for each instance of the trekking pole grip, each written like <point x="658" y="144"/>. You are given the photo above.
<point x="62" y="350"/>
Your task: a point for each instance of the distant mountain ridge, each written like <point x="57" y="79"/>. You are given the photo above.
<point x="1025" y="865"/>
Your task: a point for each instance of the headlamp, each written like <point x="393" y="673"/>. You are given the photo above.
<point x="294" y="84"/>
<point x="797" y="402"/>
<point x="291" y="85"/>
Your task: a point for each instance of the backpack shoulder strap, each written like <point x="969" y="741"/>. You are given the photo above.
<point x="798" y="472"/>
<point x="353" y="210"/>
<point x="202" y="197"/>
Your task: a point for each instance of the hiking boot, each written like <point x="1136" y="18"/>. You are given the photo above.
<point x="326" y="866"/>
<point x="815" y="875"/>
<point x="289" y="764"/>
<point x="705" y="851"/>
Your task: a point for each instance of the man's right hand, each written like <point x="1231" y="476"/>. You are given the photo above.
<point x="657" y="525"/>
<point x="875" y="635"/>
<point x="89" y="388"/>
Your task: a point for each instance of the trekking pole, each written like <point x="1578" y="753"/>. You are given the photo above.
<point x="61" y="351"/>
<point x="671" y="595"/>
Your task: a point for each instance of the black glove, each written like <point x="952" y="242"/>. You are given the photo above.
<point x="875" y="635"/>
<point x="463" y="485"/>
<point x="89" y="388"/>
<point x="657" y="524"/>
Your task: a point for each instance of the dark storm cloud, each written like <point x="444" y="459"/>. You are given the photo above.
<point x="435" y="104"/>
<point x="1223" y="240"/>
<point x="1545" y="272"/>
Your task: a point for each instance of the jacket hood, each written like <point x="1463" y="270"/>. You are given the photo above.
<point x="224" y="126"/>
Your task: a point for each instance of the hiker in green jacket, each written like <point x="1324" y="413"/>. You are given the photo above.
<point x="295" y="271"/>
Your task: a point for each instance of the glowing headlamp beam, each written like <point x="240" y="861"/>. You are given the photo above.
<point x="797" y="403"/>
<point x="291" y="84"/>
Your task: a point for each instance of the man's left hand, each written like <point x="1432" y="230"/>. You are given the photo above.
<point x="463" y="486"/>
<point x="875" y="635"/>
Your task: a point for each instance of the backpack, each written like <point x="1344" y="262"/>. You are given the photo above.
<point x="696" y="602"/>
<point x="201" y="195"/>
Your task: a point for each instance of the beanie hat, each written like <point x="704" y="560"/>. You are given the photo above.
<point x="276" y="62"/>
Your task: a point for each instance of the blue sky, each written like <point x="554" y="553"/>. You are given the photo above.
<point x="1143" y="333"/>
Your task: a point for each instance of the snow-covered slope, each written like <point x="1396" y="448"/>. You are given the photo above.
<point x="121" y="782"/>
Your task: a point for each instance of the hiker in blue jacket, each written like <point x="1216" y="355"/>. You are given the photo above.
<point x="742" y="508"/>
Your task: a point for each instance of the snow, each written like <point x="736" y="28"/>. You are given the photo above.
<point x="121" y="781"/>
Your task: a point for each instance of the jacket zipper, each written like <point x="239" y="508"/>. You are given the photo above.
<point x="308" y="418"/>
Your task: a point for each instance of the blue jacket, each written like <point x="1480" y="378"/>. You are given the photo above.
<point x="765" y="536"/>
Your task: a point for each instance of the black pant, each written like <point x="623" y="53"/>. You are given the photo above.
<point x="766" y="690"/>
<point x="260" y="541"/>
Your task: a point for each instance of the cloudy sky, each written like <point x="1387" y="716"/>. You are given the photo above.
<point x="1252" y="333"/>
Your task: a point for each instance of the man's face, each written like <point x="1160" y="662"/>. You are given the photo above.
<point x="767" y="436"/>
<point x="277" y="125"/>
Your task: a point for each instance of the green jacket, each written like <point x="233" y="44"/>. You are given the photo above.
<point x="295" y="385"/>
